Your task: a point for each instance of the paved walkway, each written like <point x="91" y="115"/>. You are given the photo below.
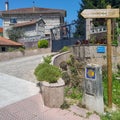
<point x="34" y="109"/>
<point x="22" y="67"/>
<point x="14" y="89"/>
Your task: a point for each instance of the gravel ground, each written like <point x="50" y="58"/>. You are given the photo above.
<point x="22" y="67"/>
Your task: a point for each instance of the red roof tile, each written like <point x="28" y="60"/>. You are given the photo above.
<point x="7" y="42"/>
<point x="24" y="24"/>
<point x="34" y="10"/>
<point x="27" y="23"/>
<point x="1" y="30"/>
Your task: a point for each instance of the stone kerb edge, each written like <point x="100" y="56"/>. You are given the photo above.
<point x="56" y="56"/>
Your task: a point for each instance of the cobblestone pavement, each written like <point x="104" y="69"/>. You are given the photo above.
<point x="22" y="67"/>
<point x="33" y="109"/>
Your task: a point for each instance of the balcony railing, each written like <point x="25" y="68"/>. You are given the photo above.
<point x="99" y="29"/>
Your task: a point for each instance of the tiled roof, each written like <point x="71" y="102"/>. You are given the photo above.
<point x="34" y="10"/>
<point x="7" y="42"/>
<point x="1" y="30"/>
<point x="27" y="23"/>
<point x="24" y="24"/>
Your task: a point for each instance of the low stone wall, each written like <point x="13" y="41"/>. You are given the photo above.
<point x="90" y="55"/>
<point x="11" y="55"/>
<point x="57" y="59"/>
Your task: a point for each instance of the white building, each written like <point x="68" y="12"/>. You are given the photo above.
<point x="23" y="16"/>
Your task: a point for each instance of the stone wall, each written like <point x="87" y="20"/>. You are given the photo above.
<point x="11" y="55"/>
<point x="90" y="55"/>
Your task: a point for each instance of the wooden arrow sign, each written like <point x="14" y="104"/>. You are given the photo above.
<point x="100" y="13"/>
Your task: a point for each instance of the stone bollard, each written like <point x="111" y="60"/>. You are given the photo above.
<point x="93" y="90"/>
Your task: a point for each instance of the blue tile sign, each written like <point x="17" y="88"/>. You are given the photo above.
<point x="90" y="73"/>
<point x="101" y="49"/>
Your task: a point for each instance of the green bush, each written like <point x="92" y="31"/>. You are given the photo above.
<point x="47" y="72"/>
<point x="47" y="59"/>
<point x="115" y="43"/>
<point x="73" y="93"/>
<point x="64" y="49"/>
<point x="10" y="49"/>
<point x="42" y="43"/>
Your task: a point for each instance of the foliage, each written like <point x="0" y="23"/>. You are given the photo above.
<point x="115" y="96"/>
<point x="74" y="72"/>
<point x="115" y="89"/>
<point x="11" y="49"/>
<point x="93" y="4"/>
<point x="47" y="72"/>
<point x="22" y="49"/>
<point x="64" y="49"/>
<point x="65" y="105"/>
<point x="42" y="43"/>
<point x="73" y="81"/>
<point x="14" y="34"/>
<point x="47" y="59"/>
<point x="63" y="65"/>
<point x="66" y="77"/>
<point x="111" y="116"/>
<point x="73" y="93"/>
<point x="115" y="43"/>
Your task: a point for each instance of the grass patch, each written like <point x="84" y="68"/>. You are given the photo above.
<point x="73" y="93"/>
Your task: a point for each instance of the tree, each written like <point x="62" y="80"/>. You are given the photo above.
<point x="92" y="4"/>
<point x="14" y="34"/>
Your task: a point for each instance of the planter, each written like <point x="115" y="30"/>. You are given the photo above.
<point x="53" y="93"/>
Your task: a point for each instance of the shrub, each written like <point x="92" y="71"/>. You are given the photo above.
<point x="47" y="72"/>
<point x="66" y="78"/>
<point x="47" y="59"/>
<point x="64" y="49"/>
<point x="63" y="65"/>
<point x="42" y="43"/>
<point x="10" y="49"/>
<point x="22" y="50"/>
<point x="115" y="43"/>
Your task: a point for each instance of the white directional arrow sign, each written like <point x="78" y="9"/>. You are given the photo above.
<point x="101" y="13"/>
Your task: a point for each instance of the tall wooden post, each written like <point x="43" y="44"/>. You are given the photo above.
<point x="109" y="60"/>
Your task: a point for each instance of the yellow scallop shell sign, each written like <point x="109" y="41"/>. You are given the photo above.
<point x="91" y="73"/>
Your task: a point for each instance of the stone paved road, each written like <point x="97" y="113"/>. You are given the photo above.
<point x="22" y="67"/>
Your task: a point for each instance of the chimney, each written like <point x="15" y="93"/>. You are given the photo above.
<point x="33" y="6"/>
<point x="6" y="5"/>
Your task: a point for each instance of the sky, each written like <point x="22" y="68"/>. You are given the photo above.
<point x="71" y="6"/>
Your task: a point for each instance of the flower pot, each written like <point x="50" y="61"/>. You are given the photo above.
<point x="53" y="93"/>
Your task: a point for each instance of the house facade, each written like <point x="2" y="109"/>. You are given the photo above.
<point x="32" y="32"/>
<point x="51" y="18"/>
<point x="94" y="33"/>
<point x="7" y="44"/>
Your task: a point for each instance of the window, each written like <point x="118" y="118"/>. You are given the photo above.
<point x="3" y="49"/>
<point x="13" y="20"/>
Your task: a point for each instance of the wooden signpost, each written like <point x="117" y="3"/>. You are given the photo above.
<point x="109" y="14"/>
<point x="100" y="13"/>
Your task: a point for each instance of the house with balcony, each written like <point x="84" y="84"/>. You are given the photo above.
<point x="96" y="33"/>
